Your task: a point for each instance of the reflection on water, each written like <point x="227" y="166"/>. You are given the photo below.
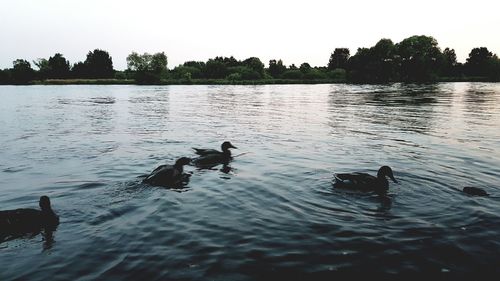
<point x="272" y="212"/>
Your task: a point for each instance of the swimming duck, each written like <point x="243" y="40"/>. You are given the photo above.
<point x="168" y="175"/>
<point x="225" y="146"/>
<point x="366" y="182"/>
<point x="212" y="156"/>
<point x="29" y="220"/>
<point x="471" y="190"/>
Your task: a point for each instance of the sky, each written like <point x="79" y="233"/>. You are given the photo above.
<point x="294" y="31"/>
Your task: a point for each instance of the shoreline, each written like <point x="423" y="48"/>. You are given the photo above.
<point x="237" y="82"/>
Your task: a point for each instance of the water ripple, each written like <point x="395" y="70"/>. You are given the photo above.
<point x="275" y="213"/>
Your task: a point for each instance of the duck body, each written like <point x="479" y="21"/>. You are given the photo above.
<point x="204" y="151"/>
<point x="28" y="220"/>
<point x="210" y="157"/>
<point x="365" y="182"/>
<point x="475" y="191"/>
<point x="168" y="175"/>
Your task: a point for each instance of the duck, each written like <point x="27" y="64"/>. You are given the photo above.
<point x="475" y="191"/>
<point x="29" y="220"/>
<point x="209" y="157"/>
<point x="225" y="146"/>
<point x="366" y="182"/>
<point x="168" y="175"/>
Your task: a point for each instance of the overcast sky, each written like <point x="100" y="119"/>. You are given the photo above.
<point x="294" y="31"/>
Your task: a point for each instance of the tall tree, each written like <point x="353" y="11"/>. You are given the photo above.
<point x="216" y="68"/>
<point x="305" y="67"/>
<point x="58" y="67"/>
<point x="449" y="62"/>
<point x="21" y="72"/>
<point x="377" y="64"/>
<point x="99" y="64"/>
<point x="4" y="77"/>
<point x="147" y="68"/>
<point x="479" y="61"/>
<point x="255" y="64"/>
<point x="276" y="68"/>
<point x="420" y="58"/>
<point x="339" y="58"/>
<point x="43" y="68"/>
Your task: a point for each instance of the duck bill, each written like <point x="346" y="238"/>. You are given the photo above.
<point x="393" y="179"/>
<point x="232" y="146"/>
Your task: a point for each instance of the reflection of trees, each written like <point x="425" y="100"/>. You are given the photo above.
<point x="149" y="112"/>
<point x="237" y="107"/>
<point x="101" y="114"/>
<point x="480" y="98"/>
<point x="479" y="102"/>
<point x="409" y="107"/>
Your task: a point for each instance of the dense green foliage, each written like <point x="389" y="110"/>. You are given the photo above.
<point x="58" y="67"/>
<point x="97" y="65"/>
<point x="21" y="72"/>
<point x="339" y="58"/>
<point x="415" y="59"/>
<point x="147" y="68"/>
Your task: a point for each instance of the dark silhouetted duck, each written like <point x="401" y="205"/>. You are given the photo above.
<point x="168" y="175"/>
<point x="225" y="146"/>
<point x="28" y="220"/>
<point x="475" y="191"/>
<point x="213" y="157"/>
<point x="366" y="182"/>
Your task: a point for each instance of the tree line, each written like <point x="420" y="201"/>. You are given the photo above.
<point x="415" y="59"/>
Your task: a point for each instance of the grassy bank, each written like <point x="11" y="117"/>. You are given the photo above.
<point x="229" y="82"/>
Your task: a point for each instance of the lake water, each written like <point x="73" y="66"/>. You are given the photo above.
<point x="274" y="214"/>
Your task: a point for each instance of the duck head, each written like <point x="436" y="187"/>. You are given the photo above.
<point x="226" y="146"/>
<point x="182" y="161"/>
<point x="44" y="203"/>
<point x="386" y="171"/>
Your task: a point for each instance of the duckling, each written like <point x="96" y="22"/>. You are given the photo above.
<point x="213" y="157"/>
<point x="29" y="220"/>
<point x="366" y="182"/>
<point x="168" y="175"/>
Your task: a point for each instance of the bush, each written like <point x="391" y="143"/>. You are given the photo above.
<point x="314" y="74"/>
<point x="338" y="74"/>
<point x="234" y="77"/>
<point x="292" y="74"/>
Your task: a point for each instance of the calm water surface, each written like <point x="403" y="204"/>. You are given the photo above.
<point x="275" y="213"/>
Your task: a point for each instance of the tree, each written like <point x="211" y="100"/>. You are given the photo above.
<point x="243" y="73"/>
<point x="216" y="68"/>
<point x="339" y="58"/>
<point x="420" y="57"/>
<point x="43" y="68"/>
<point x="292" y="74"/>
<point x="276" y="68"/>
<point x="147" y="68"/>
<point x="58" y="67"/>
<point x="196" y="68"/>
<point x="21" y="72"/>
<point x="479" y="61"/>
<point x="377" y="64"/>
<point x="159" y="63"/>
<point x="4" y="76"/>
<point x="449" y="62"/>
<point x="314" y="74"/>
<point x="181" y="72"/>
<point x="305" y="67"/>
<point x="98" y="64"/>
<point x="255" y="64"/>
<point x="79" y="70"/>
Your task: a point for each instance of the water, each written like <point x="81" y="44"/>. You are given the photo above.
<point x="275" y="213"/>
